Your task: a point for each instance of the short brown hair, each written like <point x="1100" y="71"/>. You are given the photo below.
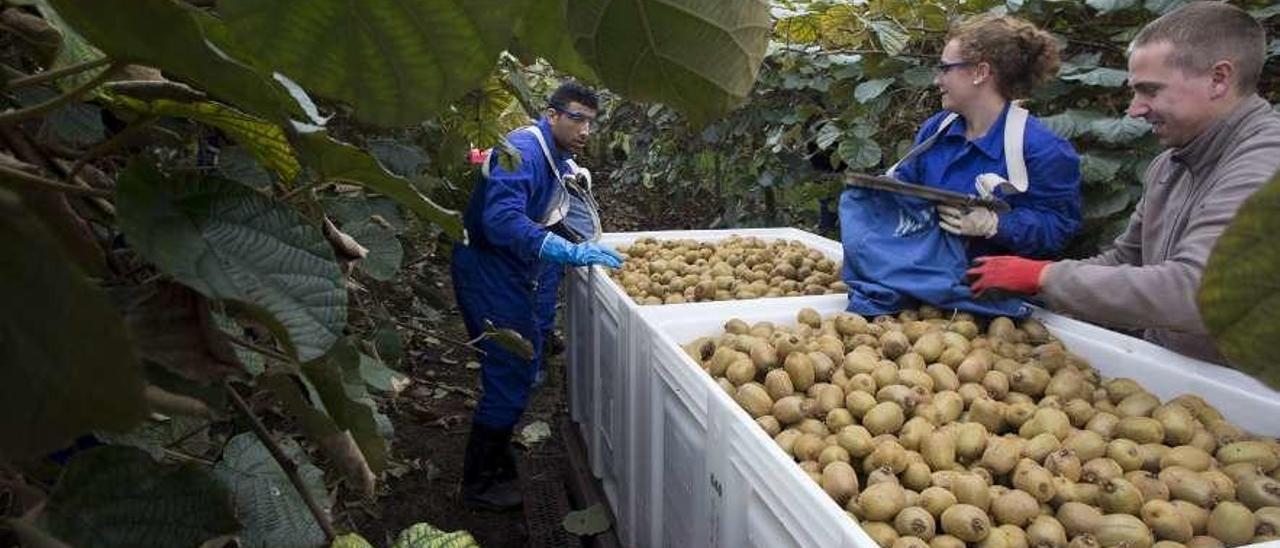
<point x="1022" y="55"/>
<point x="1204" y="33"/>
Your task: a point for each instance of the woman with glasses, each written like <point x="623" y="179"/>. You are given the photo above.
<point x="901" y="252"/>
<point x="989" y="62"/>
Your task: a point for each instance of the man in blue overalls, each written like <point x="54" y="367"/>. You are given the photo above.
<point x="517" y="223"/>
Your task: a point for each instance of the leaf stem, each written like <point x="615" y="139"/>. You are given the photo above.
<point x="50" y="75"/>
<point x="465" y="344"/>
<point x="289" y="467"/>
<point x="37" y="182"/>
<point x="14" y="116"/>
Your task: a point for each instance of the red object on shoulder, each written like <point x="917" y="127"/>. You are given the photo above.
<point x="476" y="156"/>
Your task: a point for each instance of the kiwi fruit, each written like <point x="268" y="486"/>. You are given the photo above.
<point x="1232" y="523"/>
<point x="966" y="522"/>
<point x="1123" y="531"/>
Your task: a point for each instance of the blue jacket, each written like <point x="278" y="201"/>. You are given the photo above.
<point x="1042" y="219"/>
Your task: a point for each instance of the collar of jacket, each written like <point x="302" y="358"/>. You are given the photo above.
<point x="991" y="143"/>
<point x="558" y="155"/>
<point x="1203" y="152"/>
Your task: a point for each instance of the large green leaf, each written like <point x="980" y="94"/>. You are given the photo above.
<point x="336" y="160"/>
<point x="871" y="89"/>
<point x="68" y="366"/>
<point x="1099" y="168"/>
<point x="542" y="33"/>
<point x="1071" y="123"/>
<point x="893" y="38"/>
<point x="264" y="140"/>
<point x="75" y="49"/>
<point x="373" y="232"/>
<point x="118" y="496"/>
<point x="700" y="56"/>
<point x="229" y="242"/>
<point x="396" y="61"/>
<point x="274" y="514"/>
<point x="425" y="535"/>
<point x="166" y="35"/>
<point x="1240" y="294"/>
<point x="859" y="152"/>
<point x="1121" y="130"/>
<point x="1104" y="77"/>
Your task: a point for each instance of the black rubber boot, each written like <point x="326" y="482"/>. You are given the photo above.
<point x="489" y="477"/>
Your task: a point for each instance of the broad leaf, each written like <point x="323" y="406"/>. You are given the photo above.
<point x="172" y="326"/>
<point x="350" y="540"/>
<point x="424" y="535"/>
<point x="403" y="160"/>
<point x="337" y="381"/>
<point x="590" y="521"/>
<point x="372" y="231"/>
<point x="238" y="164"/>
<point x="68" y="365"/>
<point x="265" y="140"/>
<point x="1105" y="77"/>
<point x="893" y="38"/>
<point x="699" y="56"/>
<point x="301" y="402"/>
<point x="166" y="35"/>
<point x="118" y="496"/>
<point x="229" y="242"/>
<point x="542" y="33"/>
<point x="1102" y="203"/>
<point x="1071" y="123"/>
<point x="1161" y="7"/>
<point x="339" y="161"/>
<point x="75" y="49"/>
<point x="1118" y="131"/>
<point x="1268" y="12"/>
<point x="76" y="124"/>
<point x="273" y="513"/>
<point x="859" y="152"/>
<point x="397" y="62"/>
<point x="918" y="77"/>
<point x="187" y="434"/>
<point x="380" y="377"/>
<point x="509" y="339"/>
<point x="1106" y="6"/>
<point x="1099" y="168"/>
<point x="871" y="89"/>
<point x="1240" y="294"/>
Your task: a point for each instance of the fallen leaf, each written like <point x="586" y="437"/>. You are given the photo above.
<point x="590" y="521"/>
<point x="473" y="365"/>
<point x="534" y="433"/>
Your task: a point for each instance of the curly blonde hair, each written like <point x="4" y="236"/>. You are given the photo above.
<point x="1022" y="55"/>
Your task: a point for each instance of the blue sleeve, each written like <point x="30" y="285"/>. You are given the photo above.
<point x="505" y="218"/>
<point x="909" y="171"/>
<point x="1044" y="218"/>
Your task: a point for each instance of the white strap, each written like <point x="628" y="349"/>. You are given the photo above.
<point x="1015" y="128"/>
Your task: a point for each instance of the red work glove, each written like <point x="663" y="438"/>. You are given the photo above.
<point x="1006" y="273"/>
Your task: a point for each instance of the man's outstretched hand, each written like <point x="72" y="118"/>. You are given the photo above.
<point x="1006" y="273"/>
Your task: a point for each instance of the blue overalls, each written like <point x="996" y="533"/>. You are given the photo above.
<point x="499" y="277"/>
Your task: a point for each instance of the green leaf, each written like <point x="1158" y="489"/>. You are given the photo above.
<point x="253" y="362"/>
<point x="1268" y="12"/>
<point x="187" y="434"/>
<point x="1071" y="123"/>
<point x="350" y="540"/>
<point x="238" y="164"/>
<point x="389" y="343"/>
<point x="1106" y="6"/>
<point x="541" y="32"/>
<point x="403" y="160"/>
<point x="1105" y="202"/>
<point x="118" y="496"/>
<point x="68" y="365"/>
<point x="380" y="377"/>
<point x="76" y="124"/>
<point x="265" y="140"/>
<point x="397" y="62"/>
<point x="340" y="386"/>
<point x="699" y="56"/>
<point x="75" y="49"/>
<point x="859" y="152"/>
<point x="1099" y="168"/>
<point x="871" y="89"/>
<point x="1161" y="7"/>
<point x="273" y="512"/>
<point x="918" y="77"/>
<point x="1121" y="130"/>
<point x="336" y="160"/>
<point x="590" y="521"/>
<point x="166" y="35"/>
<point x="1104" y="77"/>
<point x="893" y="38"/>
<point x="509" y="339"/>
<point x="229" y="242"/>
<point x="1240" y="294"/>
<point x="374" y="233"/>
<point x="423" y="535"/>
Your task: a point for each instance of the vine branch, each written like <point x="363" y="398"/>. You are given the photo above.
<point x="37" y="182"/>
<point x="287" y="464"/>
<point x="14" y="116"/>
<point x="50" y="75"/>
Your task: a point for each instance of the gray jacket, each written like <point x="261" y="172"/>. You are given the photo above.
<point x="1150" y="278"/>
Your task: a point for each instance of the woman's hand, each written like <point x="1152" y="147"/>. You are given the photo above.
<point x="973" y="221"/>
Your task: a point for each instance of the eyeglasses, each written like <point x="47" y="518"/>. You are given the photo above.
<point x="943" y="68"/>
<point x="577" y="117"/>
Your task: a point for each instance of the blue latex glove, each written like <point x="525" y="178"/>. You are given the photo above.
<point x="559" y="250"/>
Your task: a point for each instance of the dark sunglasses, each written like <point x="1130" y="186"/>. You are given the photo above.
<point x="943" y="68"/>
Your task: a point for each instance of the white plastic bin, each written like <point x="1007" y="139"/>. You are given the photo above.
<point x="682" y="465"/>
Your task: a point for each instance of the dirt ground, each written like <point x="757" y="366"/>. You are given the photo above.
<point x="432" y="416"/>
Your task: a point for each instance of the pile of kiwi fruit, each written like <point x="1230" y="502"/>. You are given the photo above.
<point x="943" y="430"/>
<point x="737" y="267"/>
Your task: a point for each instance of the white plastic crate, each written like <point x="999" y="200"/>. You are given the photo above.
<point x="682" y="465"/>
<point x="606" y="334"/>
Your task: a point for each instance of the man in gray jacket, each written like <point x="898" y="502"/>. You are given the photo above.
<point x="1194" y="75"/>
